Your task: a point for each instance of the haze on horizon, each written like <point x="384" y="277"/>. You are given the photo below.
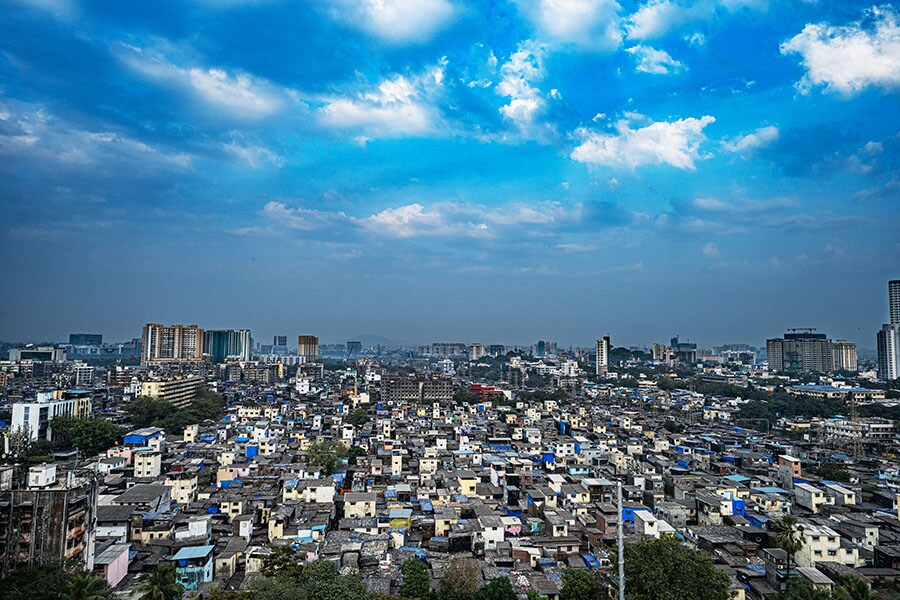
<point x="451" y="170"/>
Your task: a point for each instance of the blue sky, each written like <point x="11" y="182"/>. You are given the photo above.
<point x="424" y="170"/>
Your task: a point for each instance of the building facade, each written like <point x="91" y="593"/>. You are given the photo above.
<point x="225" y="344"/>
<point x="171" y="343"/>
<point x="47" y="520"/>
<point x="178" y="391"/>
<point x="308" y="347"/>
<point x="602" y="360"/>
<point x="801" y="350"/>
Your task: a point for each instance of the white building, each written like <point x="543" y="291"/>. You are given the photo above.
<point x="602" y="361"/>
<point x="36" y="416"/>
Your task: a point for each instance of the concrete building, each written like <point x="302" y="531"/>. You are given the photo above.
<point x="171" y="343"/>
<point x="844" y="356"/>
<point x="601" y="363"/>
<point x="49" y="519"/>
<point x="308" y="347"/>
<point x="801" y="350"/>
<point x="894" y="301"/>
<point x="38" y="354"/>
<point x="179" y="391"/>
<point x="37" y="415"/>
<point x="888" y="343"/>
<point x="227" y="344"/>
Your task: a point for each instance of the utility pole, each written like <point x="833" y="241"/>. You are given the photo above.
<point x="621" y="545"/>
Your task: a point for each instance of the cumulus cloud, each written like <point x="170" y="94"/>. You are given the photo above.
<point x="656" y="62"/>
<point x="656" y="18"/>
<point x="747" y="144"/>
<point x="239" y="94"/>
<point x="395" y="21"/>
<point x="519" y="76"/>
<point x="588" y="24"/>
<point x="675" y="143"/>
<point x="848" y="59"/>
<point x="396" y="107"/>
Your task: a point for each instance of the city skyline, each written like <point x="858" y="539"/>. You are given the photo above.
<point x="443" y="169"/>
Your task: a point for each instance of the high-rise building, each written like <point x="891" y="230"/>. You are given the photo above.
<point x="801" y="350"/>
<point x="308" y="347"/>
<point x="85" y="339"/>
<point x="279" y="340"/>
<point x="888" y="338"/>
<point x="844" y="355"/>
<point x="894" y="300"/>
<point x="171" y="343"/>
<point x="47" y="520"/>
<point x="602" y="360"/>
<point x="354" y="349"/>
<point x="223" y="344"/>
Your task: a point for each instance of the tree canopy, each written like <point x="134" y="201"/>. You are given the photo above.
<point x="666" y="569"/>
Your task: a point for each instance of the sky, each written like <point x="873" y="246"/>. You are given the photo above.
<point x="450" y="170"/>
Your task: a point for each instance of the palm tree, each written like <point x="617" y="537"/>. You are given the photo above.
<point x="160" y="583"/>
<point x="851" y="587"/>
<point x="790" y="539"/>
<point x="86" y="586"/>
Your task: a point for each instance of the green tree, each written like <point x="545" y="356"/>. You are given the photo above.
<point x="89" y="436"/>
<point x="86" y="586"/>
<point x="578" y="584"/>
<point x="220" y="594"/>
<point x="321" y="580"/>
<point x="144" y="411"/>
<point x="790" y="539"/>
<point x="326" y="455"/>
<point x="34" y="582"/>
<point x="803" y="590"/>
<point x="533" y="595"/>
<point x="461" y="580"/>
<point x="282" y="562"/>
<point x="850" y="587"/>
<point x="666" y="569"/>
<point x="498" y="588"/>
<point x="275" y="588"/>
<point x="358" y="417"/>
<point x="160" y="583"/>
<point x="416" y="580"/>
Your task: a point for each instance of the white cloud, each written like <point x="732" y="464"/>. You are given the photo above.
<point x="414" y="220"/>
<point x="241" y="95"/>
<point x="851" y="58"/>
<point x="442" y="219"/>
<point x="747" y="144"/>
<point x="711" y="250"/>
<point x="396" y="107"/>
<point x="674" y="143"/>
<point x="657" y="18"/>
<point x="519" y="74"/>
<point x="589" y="24"/>
<point x="30" y="130"/>
<point x="396" y="21"/>
<point x="253" y="155"/>
<point x="303" y="219"/>
<point x="656" y="62"/>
